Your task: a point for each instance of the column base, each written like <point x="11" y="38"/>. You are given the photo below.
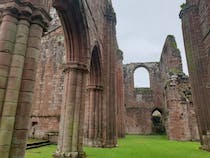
<point x="92" y="143"/>
<point x="206" y="142"/>
<point x="70" y="155"/>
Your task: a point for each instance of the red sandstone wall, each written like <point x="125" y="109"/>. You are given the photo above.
<point x="121" y="111"/>
<point x="176" y="108"/>
<point x="49" y="85"/>
<point x="195" y="17"/>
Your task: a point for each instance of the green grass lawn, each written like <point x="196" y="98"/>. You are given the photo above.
<point x="135" y="147"/>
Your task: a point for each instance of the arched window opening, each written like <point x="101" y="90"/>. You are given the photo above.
<point x="141" y="78"/>
<point x="157" y="122"/>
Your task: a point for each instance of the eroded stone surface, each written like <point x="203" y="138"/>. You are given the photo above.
<point x="166" y="94"/>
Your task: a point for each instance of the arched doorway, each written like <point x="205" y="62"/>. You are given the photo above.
<point x="157" y="122"/>
<point x="93" y="110"/>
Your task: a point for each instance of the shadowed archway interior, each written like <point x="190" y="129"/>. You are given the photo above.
<point x="94" y="110"/>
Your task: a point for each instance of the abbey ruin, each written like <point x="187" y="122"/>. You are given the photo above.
<point x="62" y="78"/>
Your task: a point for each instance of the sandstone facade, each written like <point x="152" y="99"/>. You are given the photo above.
<point x="169" y="94"/>
<point x="65" y="78"/>
<point x="195" y="23"/>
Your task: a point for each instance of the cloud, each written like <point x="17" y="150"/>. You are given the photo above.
<point x="143" y="26"/>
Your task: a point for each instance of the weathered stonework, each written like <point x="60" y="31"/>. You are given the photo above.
<point x="49" y="91"/>
<point x="195" y="23"/>
<point x="64" y="77"/>
<point x="21" y="29"/>
<point x="163" y="95"/>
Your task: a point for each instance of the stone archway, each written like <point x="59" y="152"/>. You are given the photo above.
<point x="77" y="43"/>
<point x="93" y="134"/>
<point x="21" y="30"/>
<point x="157" y="121"/>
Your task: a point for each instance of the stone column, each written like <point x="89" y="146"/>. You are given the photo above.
<point x="93" y="135"/>
<point x="197" y="65"/>
<point x="17" y="35"/>
<point x="72" y="113"/>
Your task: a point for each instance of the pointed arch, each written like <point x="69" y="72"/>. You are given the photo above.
<point x="75" y="26"/>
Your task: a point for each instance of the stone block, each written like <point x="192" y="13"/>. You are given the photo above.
<point x="4" y="151"/>
<point x="24" y="109"/>
<point x="3" y="82"/>
<point x="9" y="109"/>
<point x="4" y="71"/>
<point x="18" y="61"/>
<point x="6" y="46"/>
<point x="20" y="49"/>
<point x="27" y="85"/>
<point x="5" y="59"/>
<point x="10" y="19"/>
<point x="16" y="72"/>
<point x="9" y="26"/>
<point x="29" y="75"/>
<point x="25" y="97"/>
<point x="35" y="32"/>
<point x="12" y="96"/>
<point x="33" y="53"/>
<point x="22" y="122"/>
<point x="2" y="93"/>
<point x="7" y="123"/>
<point x="6" y="138"/>
<point x="34" y="42"/>
<point x="14" y="83"/>
<point x="30" y="64"/>
<point x="7" y="34"/>
<point x="22" y="34"/>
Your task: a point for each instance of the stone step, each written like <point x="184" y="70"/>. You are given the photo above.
<point x="38" y="144"/>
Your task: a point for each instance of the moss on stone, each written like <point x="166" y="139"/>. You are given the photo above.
<point x="120" y="53"/>
<point x="143" y="91"/>
<point x="174" y="71"/>
<point x="183" y="5"/>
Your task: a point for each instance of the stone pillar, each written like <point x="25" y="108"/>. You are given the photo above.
<point x="195" y="25"/>
<point x="177" y="111"/>
<point x="119" y="83"/>
<point x="93" y="131"/>
<point x="18" y="34"/>
<point x="72" y="112"/>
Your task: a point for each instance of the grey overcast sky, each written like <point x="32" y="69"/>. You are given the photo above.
<point x="142" y="27"/>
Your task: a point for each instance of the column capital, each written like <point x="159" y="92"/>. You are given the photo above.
<point x="75" y="66"/>
<point x="27" y="11"/>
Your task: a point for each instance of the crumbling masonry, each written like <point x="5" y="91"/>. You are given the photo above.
<point x="82" y="79"/>
<point x="169" y="93"/>
<point x="79" y="95"/>
<point x="195" y="17"/>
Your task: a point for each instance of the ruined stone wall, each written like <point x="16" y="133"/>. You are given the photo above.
<point x="48" y="90"/>
<point x="50" y="79"/>
<point x="178" y="113"/>
<point x="141" y="100"/>
<point x="195" y="17"/>
<point x="178" y="106"/>
<point x="121" y="112"/>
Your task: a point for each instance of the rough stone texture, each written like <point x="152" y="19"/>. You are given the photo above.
<point x="49" y="92"/>
<point x="49" y="85"/>
<point x="87" y="25"/>
<point x="20" y="34"/>
<point x="195" y="17"/>
<point x="121" y="111"/>
<point x="177" y="109"/>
